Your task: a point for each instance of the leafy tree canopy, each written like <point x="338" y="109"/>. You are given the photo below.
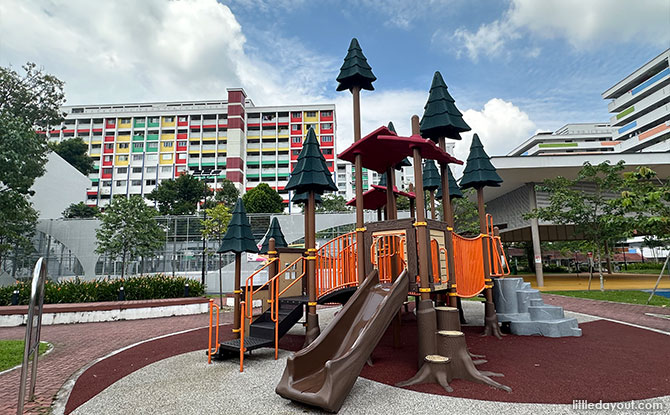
<point x="216" y="224"/>
<point x="80" y="210"/>
<point x="333" y="203"/>
<point x="128" y="230"/>
<point x="228" y="194"/>
<point x="73" y="150"/>
<point x="263" y="199"/>
<point x="179" y="196"/>
<point x="647" y="198"/>
<point x="466" y="215"/>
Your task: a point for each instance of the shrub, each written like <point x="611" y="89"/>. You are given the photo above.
<point x="79" y="291"/>
<point x="554" y="268"/>
<point x="646" y="265"/>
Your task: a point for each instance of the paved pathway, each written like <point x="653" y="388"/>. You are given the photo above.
<point x="628" y="313"/>
<point x="76" y="345"/>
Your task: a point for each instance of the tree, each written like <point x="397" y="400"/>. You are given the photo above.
<point x="216" y="224"/>
<point x="333" y="203"/>
<point x="263" y="199"/>
<point x="597" y="214"/>
<point x="402" y="203"/>
<point x="179" y="196"/>
<point x="73" y="150"/>
<point x="80" y="210"/>
<point x="27" y="101"/>
<point x="466" y="215"/>
<point x="128" y="230"/>
<point x="647" y="198"/>
<point x="228" y="194"/>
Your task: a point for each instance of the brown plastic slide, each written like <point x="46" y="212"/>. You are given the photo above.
<point x="323" y="373"/>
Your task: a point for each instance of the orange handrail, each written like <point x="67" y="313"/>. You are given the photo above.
<point x="336" y="264"/>
<point x="213" y="306"/>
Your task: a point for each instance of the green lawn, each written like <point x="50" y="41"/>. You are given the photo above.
<point x="11" y="353"/>
<point x="642" y="271"/>
<point x="619" y="296"/>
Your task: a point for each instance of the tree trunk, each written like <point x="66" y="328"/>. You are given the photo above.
<point x="451" y="344"/>
<point x="435" y="370"/>
<point x="123" y="264"/>
<point x="600" y="272"/>
<point x="608" y="258"/>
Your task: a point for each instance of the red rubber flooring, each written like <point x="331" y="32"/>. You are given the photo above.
<point x="611" y="361"/>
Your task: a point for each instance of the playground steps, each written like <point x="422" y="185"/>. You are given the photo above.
<point x="523" y="308"/>
<point x="262" y="329"/>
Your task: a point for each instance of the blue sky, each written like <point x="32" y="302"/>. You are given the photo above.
<point x="514" y="67"/>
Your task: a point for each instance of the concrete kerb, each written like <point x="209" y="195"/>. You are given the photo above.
<point x="63" y="394"/>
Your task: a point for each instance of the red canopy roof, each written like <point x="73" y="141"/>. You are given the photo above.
<point x="375" y="198"/>
<point x="403" y="146"/>
<point x="370" y="149"/>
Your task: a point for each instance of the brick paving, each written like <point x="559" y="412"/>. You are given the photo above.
<point x="629" y="313"/>
<point x="76" y="345"/>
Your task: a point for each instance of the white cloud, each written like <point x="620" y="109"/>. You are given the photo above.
<point x="583" y="24"/>
<point x="403" y="14"/>
<point x="500" y="126"/>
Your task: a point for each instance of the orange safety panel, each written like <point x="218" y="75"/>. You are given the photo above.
<point x="469" y="265"/>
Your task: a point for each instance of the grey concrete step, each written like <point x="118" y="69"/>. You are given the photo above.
<point x="545" y="312"/>
<point x="553" y="328"/>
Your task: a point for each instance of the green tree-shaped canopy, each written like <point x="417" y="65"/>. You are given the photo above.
<point x="405" y="162"/>
<point x="479" y="172"/>
<point x="431" y="177"/>
<point x="355" y="70"/>
<point x="274" y="231"/>
<point x="382" y="180"/>
<point x="441" y="118"/>
<point x="238" y="237"/>
<point x="302" y="197"/>
<point x="311" y="172"/>
<point x="454" y="191"/>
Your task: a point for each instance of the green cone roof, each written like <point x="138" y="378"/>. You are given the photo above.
<point x="431" y="177"/>
<point x="479" y="172"/>
<point x="441" y="118"/>
<point x="311" y="172"/>
<point x="238" y="237"/>
<point x="274" y="231"/>
<point x="302" y="197"/>
<point x="454" y="190"/>
<point x="355" y="70"/>
<point x="405" y="162"/>
<point x="382" y="180"/>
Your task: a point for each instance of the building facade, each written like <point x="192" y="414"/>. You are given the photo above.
<point x="640" y="121"/>
<point x="136" y="146"/>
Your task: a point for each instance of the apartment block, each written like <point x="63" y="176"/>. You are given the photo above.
<point x="136" y="146"/>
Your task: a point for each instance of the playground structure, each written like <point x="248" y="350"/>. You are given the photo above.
<point x="373" y="270"/>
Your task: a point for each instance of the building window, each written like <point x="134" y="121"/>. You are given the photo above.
<point x="182" y="119"/>
<point x="151" y="169"/>
<point x="136" y="182"/>
<point x="123" y="145"/>
<point x="125" y="120"/>
<point x="153" y="119"/>
<point x="120" y="183"/>
<point x="107" y="183"/>
<point x="152" y="146"/>
<point x="107" y="171"/>
<point x="295" y="152"/>
<point x="295" y="127"/>
<point x="327" y="126"/>
<point x="123" y="158"/>
<point x="296" y="115"/>
<point x="326" y="113"/>
<point x="181" y="143"/>
<point x="137" y="157"/>
<point x="308" y="126"/>
<point x="327" y="151"/>
<point x="327" y="139"/>
<point x="167" y="144"/>
<point x="166" y="156"/>
<point x="310" y="114"/>
<point x="137" y="169"/>
<point x="122" y="170"/>
<point x="109" y="146"/>
<point x="166" y="169"/>
<point x="137" y="146"/>
<point x="296" y="140"/>
<point x="107" y="159"/>
<point x="150" y="182"/>
<point x="168" y="119"/>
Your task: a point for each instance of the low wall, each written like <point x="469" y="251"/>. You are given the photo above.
<point x="11" y="316"/>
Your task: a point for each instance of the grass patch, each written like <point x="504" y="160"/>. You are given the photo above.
<point x="11" y="353"/>
<point x="642" y="271"/>
<point x="618" y="296"/>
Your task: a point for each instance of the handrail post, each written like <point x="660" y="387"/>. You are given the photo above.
<point x="32" y="343"/>
<point x="209" y="343"/>
<point x="243" y="305"/>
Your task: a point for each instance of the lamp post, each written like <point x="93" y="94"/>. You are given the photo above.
<point x="204" y="175"/>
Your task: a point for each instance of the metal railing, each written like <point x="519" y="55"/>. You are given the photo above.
<point x="33" y="329"/>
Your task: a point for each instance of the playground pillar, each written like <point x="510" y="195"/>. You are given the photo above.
<point x="390" y="197"/>
<point x="535" y="236"/>
<point x="358" y="167"/>
<point x="448" y="216"/>
<point x="490" y="318"/>
<point x="237" y="294"/>
<point x="411" y="201"/>
<point x="420" y="223"/>
<point x="433" y="214"/>
<point x="312" y="331"/>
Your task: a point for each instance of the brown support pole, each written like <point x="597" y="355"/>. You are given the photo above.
<point x="358" y="167"/>
<point x="392" y="211"/>
<point x="490" y="318"/>
<point x="411" y="202"/>
<point x="433" y="215"/>
<point x="312" y="331"/>
<point x="237" y="293"/>
<point x="425" y="314"/>
<point x="448" y="216"/>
